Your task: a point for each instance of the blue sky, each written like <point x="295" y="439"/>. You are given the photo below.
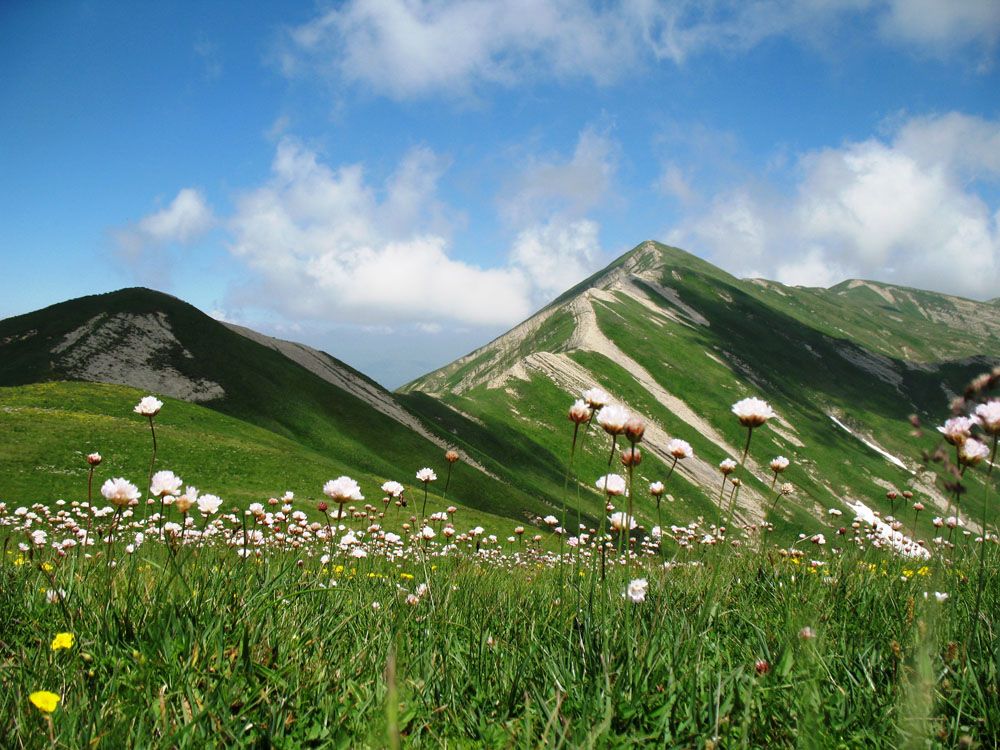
<point x="399" y="181"/>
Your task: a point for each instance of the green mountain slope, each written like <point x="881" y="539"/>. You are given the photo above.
<point x="160" y="344"/>
<point x="680" y="341"/>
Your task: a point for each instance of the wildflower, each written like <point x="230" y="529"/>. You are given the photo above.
<point x="44" y="700"/>
<point x="631" y="457"/>
<point x="579" y="412"/>
<point x="634" y="429"/>
<point x="989" y="416"/>
<point x="551" y="520"/>
<point x="165" y="483"/>
<point x="426" y="475"/>
<point x="427" y="532"/>
<point x="762" y="667"/>
<point x="209" y="504"/>
<point x="376" y="606"/>
<point x="119" y="491"/>
<point x="807" y="633"/>
<point x="636" y="590"/>
<point x="835" y="512"/>
<point x="971" y="452"/>
<point x="62" y="640"/>
<point x="342" y="489"/>
<point x="451" y="456"/>
<point x="779" y="464"/>
<point x="149" y="406"/>
<point x="680" y="449"/>
<point x="54" y="595"/>
<point x="938" y="595"/>
<point x="189" y="498"/>
<point x="656" y="489"/>
<point x="727" y="466"/>
<point x="752" y="412"/>
<point x="618" y="521"/>
<point x="412" y="599"/>
<point x="392" y="489"/>
<point x="613" y="419"/>
<point x="596" y="398"/>
<point x="957" y="430"/>
<point x="612" y="484"/>
<point x="94" y="459"/>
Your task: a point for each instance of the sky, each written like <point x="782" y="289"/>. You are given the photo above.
<point x="397" y="182"/>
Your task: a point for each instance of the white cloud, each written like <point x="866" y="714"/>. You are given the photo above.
<point x="323" y="245"/>
<point x="409" y="48"/>
<point x="904" y="211"/>
<point x="143" y="246"/>
<point x="185" y="220"/>
<point x="557" y="255"/>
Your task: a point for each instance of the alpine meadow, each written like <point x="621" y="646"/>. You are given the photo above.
<point x="673" y="508"/>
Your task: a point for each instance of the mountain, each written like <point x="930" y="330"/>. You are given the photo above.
<point x="679" y="341"/>
<point x="159" y="344"/>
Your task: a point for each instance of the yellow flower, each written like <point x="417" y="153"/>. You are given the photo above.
<point x="62" y="640"/>
<point x="45" y="700"/>
<point x="47" y="566"/>
<point x="405" y="575"/>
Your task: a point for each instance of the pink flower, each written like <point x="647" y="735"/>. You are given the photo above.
<point x="426" y="475"/>
<point x="579" y="412"/>
<point x="779" y="464"/>
<point x="957" y="429"/>
<point x="989" y="416"/>
<point x="680" y="449"/>
<point x="119" y="491"/>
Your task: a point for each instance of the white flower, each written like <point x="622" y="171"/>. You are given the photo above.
<point x="392" y="489"/>
<point x="779" y="464"/>
<point x="596" y="398"/>
<point x="148" y="406"/>
<point x="938" y="595"/>
<point x="342" y="490"/>
<point x="989" y="416"/>
<point x="94" y="459"/>
<point x="165" y="483"/>
<point x="636" y="590"/>
<point x="679" y="448"/>
<point x="613" y="419"/>
<point x="727" y="466"/>
<point x="618" y="521"/>
<point x="551" y="520"/>
<point x="579" y="412"/>
<point x="426" y="475"/>
<point x="54" y="595"/>
<point x="119" y="491"/>
<point x="834" y="512"/>
<point x="657" y="488"/>
<point x="752" y="412"/>
<point x="209" y="504"/>
<point x="971" y="452"/>
<point x="427" y="532"/>
<point x="612" y="484"/>
<point x="957" y="429"/>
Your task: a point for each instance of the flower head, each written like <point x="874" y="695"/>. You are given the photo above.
<point x="613" y="419"/>
<point x="148" y="406"/>
<point x="753" y="412"/>
<point x="728" y="466"/>
<point x="989" y="416"/>
<point x="634" y="429"/>
<point x="579" y="412"/>
<point x="618" y="521"/>
<point x="631" y="457"/>
<point x="596" y="398"/>
<point x="209" y="504"/>
<point x="636" y="590"/>
<point x="612" y="484"/>
<point x="680" y="448"/>
<point x="779" y="464"/>
<point x="957" y="429"/>
<point x="551" y="520"/>
<point x="342" y="490"/>
<point x="62" y="640"/>
<point x="119" y="491"/>
<point x="44" y="700"/>
<point x="451" y="456"/>
<point x="426" y="475"/>
<point x="656" y="489"/>
<point x="94" y="459"/>
<point x="165" y="483"/>
<point x="971" y="452"/>
<point x="392" y="489"/>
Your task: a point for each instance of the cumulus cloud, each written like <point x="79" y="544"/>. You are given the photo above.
<point x="143" y="246"/>
<point x="557" y="255"/>
<point x="409" y="48"/>
<point x="326" y="244"/>
<point x="905" y="210"/>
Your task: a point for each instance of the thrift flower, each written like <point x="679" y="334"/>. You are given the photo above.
<point x="989" y="416"/>
<point x="596" y="398"/>
<point x="209" y="504"/>
<point x="426" y="475"/>
<point x="617" y="521"/>
<point x="579" y="412"/>
<point x="165" y="483"/>
<point x="636" y="590"/>
<point x="94" y="459"/>
<point x="727" y="466"/>
<point x="752" y="412"/>
<point x="149" y="406"/>
<point x="392" y="489"/>
<point x="779" y="464"/>
<point x="613" y="419"/>
<point x="342" y="490"/>
<point x="612" y="484"/>
<point x="119" y="491"/>
<point x="680" y="449"/>
<point x="971" y="452"/>
<point x="957" y="430"/>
